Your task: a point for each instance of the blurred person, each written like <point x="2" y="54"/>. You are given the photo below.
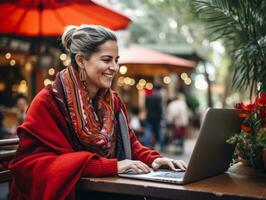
<point x="154" y="109"/>
<point x="178" y="117"/>
<point x="135" y="122"/>
<point x="21" y="105"/>
<point x="71" y="129"/>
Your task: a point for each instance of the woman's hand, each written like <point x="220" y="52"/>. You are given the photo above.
<point x="171" y="163"/>
<point x="135" y="165"/>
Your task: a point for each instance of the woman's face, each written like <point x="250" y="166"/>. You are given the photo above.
<point x="102" y="66"/>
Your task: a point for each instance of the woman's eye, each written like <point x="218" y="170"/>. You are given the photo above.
<point x="106" y="61"/>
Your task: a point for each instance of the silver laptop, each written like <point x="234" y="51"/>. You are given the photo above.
<point x="211" y="154"/>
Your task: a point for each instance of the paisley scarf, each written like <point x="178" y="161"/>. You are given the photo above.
<point x="92" y="120"/>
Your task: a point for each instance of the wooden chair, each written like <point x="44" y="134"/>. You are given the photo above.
<point x="5" y="155"/>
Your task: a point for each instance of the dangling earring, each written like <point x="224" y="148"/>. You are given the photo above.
<point x="82" y="74"/>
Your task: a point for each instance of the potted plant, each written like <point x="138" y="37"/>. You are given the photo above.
<point x="241" y="25"/>
<point x="251" y="141"/>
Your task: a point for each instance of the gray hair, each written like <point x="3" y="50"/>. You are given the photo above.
<point x="85" y="39"/>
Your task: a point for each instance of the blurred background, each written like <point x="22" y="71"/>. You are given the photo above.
<point x="172" y="65"/>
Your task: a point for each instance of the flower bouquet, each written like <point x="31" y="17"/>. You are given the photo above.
<point x="251" y="141"/>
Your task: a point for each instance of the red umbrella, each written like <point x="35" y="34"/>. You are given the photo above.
<point x="47" y="18"/>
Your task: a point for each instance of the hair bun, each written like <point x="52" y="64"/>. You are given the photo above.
<point x="67" y="36"/>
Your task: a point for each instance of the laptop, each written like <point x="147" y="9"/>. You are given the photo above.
<point x="211" y="155"/>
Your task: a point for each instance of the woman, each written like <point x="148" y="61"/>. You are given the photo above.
<point x="71" y="130"/>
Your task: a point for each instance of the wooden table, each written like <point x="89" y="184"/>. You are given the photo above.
<point x="239" y="182"/>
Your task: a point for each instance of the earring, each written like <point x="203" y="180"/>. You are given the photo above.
<point x="82" y="75"/>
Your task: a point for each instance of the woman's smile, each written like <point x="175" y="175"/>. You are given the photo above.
<point x="109" y="75"/>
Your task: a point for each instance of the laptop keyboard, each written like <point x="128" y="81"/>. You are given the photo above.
<point x="171" y="175"/>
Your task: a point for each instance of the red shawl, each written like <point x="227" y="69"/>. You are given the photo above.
<point x="46" y="165"/>
<point x="94" y="125"/>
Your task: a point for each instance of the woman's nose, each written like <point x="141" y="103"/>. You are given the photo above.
<point x="114" y="66"/>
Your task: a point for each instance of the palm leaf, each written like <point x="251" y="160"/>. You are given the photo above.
<point x="241" y="24"/>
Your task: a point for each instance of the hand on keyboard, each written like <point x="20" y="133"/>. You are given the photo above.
<point x="168" y="162"/>
<point x="135" y="166"/>
<point x="132" y="171"/>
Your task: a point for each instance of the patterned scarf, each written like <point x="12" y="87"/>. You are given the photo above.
<point x="93" y="121"/>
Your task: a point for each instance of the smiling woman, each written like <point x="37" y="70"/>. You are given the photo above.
<point x="71" y="127"/>
<point x="101" y="67"/>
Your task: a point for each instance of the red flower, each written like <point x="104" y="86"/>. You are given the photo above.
<point x="262" y="97"/>
<point x="262" y="113"/>
<point x="239" y="105"/>
<point x="245" y="128"/>
<point x="248" y="108"/>
<point x="244" y="115"/>
<point x="258" y="102"/>
<point x="253" y="116"/>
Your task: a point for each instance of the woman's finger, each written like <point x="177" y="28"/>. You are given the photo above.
<point x="141" y="168"/>
<point x="144" y="167"/>
<point x="135" y="168"/>
<point x="183" y="163"/>
<point x="179" y="164"/>
<point x="171" y="165"/>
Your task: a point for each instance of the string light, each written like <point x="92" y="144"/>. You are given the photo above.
<point x="184" y="76"/>
<point x="139" y="87"/>
<point x="127" y="80"/>
<point x="187" y="81"/>
<point x="132" y="82"/>
<point x="22" y="87"/>
<point x="167" y="80"/>
<point x="121" y="80"/>
<point x="123" y="70"/>
<point x="47" y="82"/>
<point x="66" y="62"/>
<point x="63" y="56"/>
<point x="8" y="55"/>
<point x="51" y="71"/>
<point x="149" y="86"/>
<point x="12" y="62"/>
<point x="142" y="82"/>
